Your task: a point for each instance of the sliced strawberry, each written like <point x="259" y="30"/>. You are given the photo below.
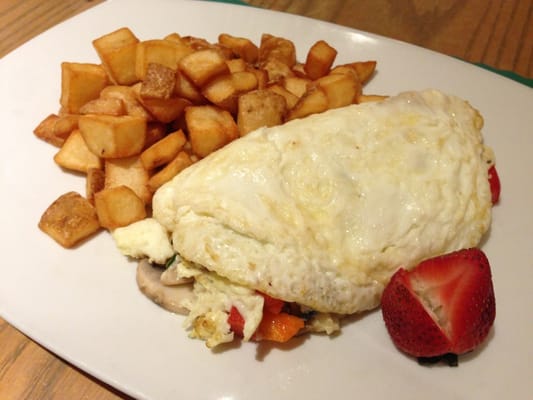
<point x="495" y="185"/>
<point x="444" y="305"/>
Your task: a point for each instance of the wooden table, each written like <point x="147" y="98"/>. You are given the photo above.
<point x="498" y="33"/>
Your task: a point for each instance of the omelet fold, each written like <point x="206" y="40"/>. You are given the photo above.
<point x="321" y="211"/>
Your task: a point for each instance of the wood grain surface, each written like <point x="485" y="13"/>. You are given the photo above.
<point x="498" y="33"/>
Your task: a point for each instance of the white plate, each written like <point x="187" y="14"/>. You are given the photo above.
<point x="84" y="305"/>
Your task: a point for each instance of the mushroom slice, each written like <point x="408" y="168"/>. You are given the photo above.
<point x="169" y="297"/>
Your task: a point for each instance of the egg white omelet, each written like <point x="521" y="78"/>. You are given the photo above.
<point x="321" y="211"/>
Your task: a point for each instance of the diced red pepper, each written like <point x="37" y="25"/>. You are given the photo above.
<point x="236" y="321"/>
<point x="278" y="327"/>
<point x="271" y="304"/>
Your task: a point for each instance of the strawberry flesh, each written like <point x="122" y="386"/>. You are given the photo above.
<point x="444" y="305"/>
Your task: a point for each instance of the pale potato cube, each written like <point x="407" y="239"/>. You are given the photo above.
<point x="118" y="51"/>
<point x="128" y="172"/>
<point x="80" y="83"/>
<point x="75" y="155"/>
<point x="69" y="219"/>
<point x="113" y="137"/>
<point x="164" y="151"/>
<point x="290" y="98"/>
<point x="118" y="206"/>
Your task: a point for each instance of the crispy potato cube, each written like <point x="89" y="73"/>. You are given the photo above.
<point x="319" y="59"/>
<point x="165" y="110"/>
<point x="276" y="70"/>
<point x="273" y="47"/>
<point x="160" y="51"/>
<point x="260" y="108"/>
<point x="128" y="96"/>
<point x="80" y="83"/>
<point x="290" y="98"/>
<point x="222" y="92"/>
<point x="163" y="151"/>
<point x="236" y="65"/>
<point x="340" y="89"/>
<point x="296" y="85"/>
<point x="105" y="106"/>
<point x="174" y="167"/>
<point x="118" y="206"/>
<point x="75" y="155"/>
<point x="203" y="65"/>
<point x="187" y="90"/>
<point x="155" y="131"/>
<point x="69" y="219"/>
<point x="158" y="83"/>
<point x="113" y="137"/>
<point x="94" y="182"/>
<point x="55" y="129"/>
<point x="363" y="69"/>
<point x="261" y="75"/>
<point x="313" y="101"/>
<point x="209" y="128"/>
<point x="244" y="81"/>
<point x="366" y="98"/>
<point x="243" y="48"/>
<point x="128" y="172"/>
<point x="117" y="51"/>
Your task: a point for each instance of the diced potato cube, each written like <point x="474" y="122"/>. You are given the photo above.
<point x="363" y="69"/>
<point x="296" y="85"/>
<point x="55" y="129"/>
<point x="242" y="47"/>
<point x="203" y="65"/>
<point x="117" y="51"/>
<point x="273" y="47"/>
<point x="209" y="128"/>
<point x="187" y="90"/>
<point x="118" y="206"/>
<point x="128" y="172"/>
<point x="260" y="108"/>
<point x="75" y="155"/>
<point x="155" y="131"/>
<point x="236" y="65"/>
<point x="113" y="137"/>
<point x="163" y="151"/>
<point x="166" y="110"/>
<point x="106" y="106"/>
<point x="276" y="70"/>
<point x="341" y="89"/>
<point x="160" y="51"/>
<point x="290" y="98"/>
<point x="313" y="102"/>
<point x="159" y="82"/>
<point x="366" y="98"/>
<point x="174" y="167"/>
<point x="80" y="83"/>
<point x="128" y="96"/>
<point x="69" y="219"/>
<point x="319" y="59"/>
<point x="94" y="182"/>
